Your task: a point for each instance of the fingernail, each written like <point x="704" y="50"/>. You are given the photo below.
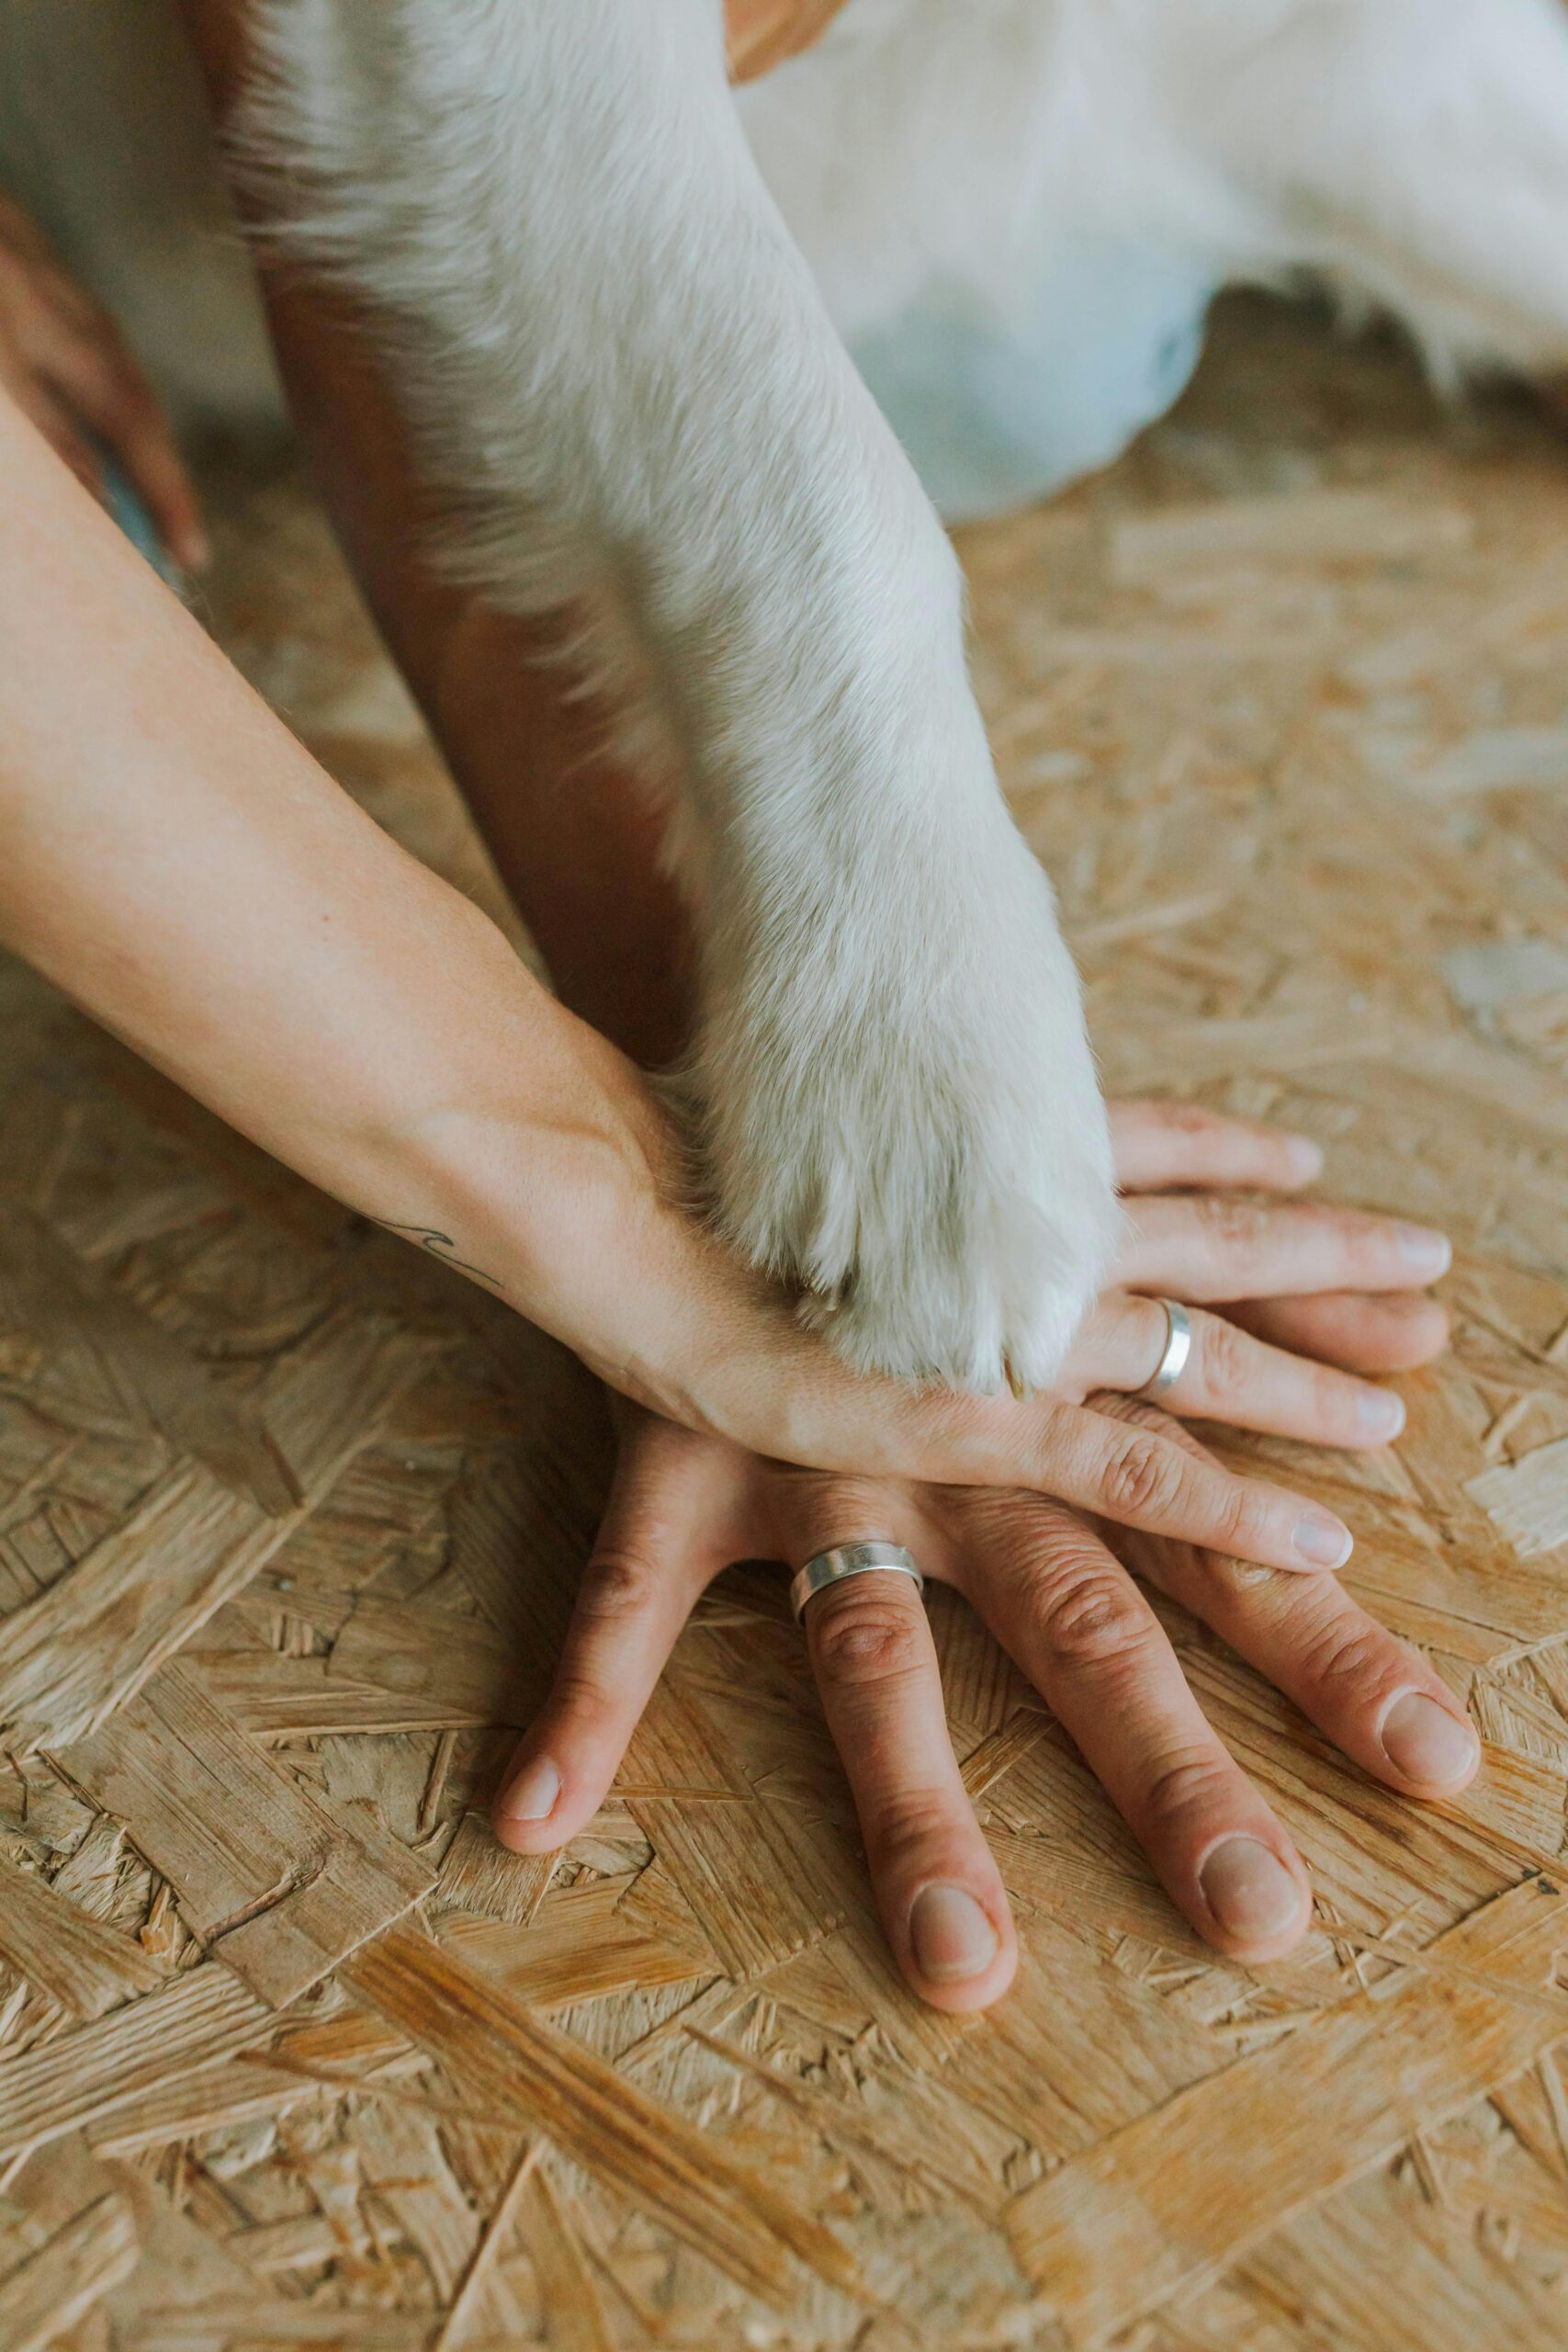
<point x="1379" y="1414"/>
<point x="194" y="551"/>
<point x="950" y="1935"/>
<point x="1249" y="1889"/>
<point x="533" y="1794"/>
<point x="1424" y="1742"/>
<point x="1322" y="1538"/>
<point x="1305" y="1157"/>
<point x="1425" y="1254"/>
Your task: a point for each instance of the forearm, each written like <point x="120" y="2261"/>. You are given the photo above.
<point x="179" y="866"/>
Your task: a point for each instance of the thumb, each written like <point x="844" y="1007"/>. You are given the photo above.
<point x="655" y="1555"/>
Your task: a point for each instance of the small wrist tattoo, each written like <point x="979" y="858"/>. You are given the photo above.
<point x="442" y="1245"/>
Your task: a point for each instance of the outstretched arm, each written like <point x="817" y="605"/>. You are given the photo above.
<point x="177" y="864"/>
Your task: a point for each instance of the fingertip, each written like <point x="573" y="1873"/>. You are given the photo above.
<point x="1255" y="1898"/>
<point x="1304" y="1158"/>
<point x="959" y="1950"/>
<point x="1411" y="1334"/>
<point x="1433" y="1748"/>
<point x="526" y="1836"/>
<point x="1380" y="1333"/>
<point x="1321" y="1541"/>
<point x="1425" y="1252"/>
<point x="1380" y="1415"/>
<point x="528" y="1809"/>
<point x="191" y="548"/>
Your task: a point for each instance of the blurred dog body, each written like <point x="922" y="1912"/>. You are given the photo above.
<point x="622" y="300"/>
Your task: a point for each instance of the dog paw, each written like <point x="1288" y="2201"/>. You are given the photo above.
<point x="903" y="1120"/>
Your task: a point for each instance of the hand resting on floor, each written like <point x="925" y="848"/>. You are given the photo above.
<point x="1330" y="1287"/>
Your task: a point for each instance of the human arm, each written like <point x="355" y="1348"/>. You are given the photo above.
<point x="178" y="864"/>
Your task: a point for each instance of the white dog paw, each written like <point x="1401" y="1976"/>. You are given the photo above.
<point x="903" y="1120"/>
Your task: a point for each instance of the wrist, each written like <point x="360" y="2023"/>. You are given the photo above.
<point x="535" y="1192"/>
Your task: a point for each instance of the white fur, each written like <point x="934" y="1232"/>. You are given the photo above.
<point x="630" y="379"/>
<point x="634" y="397"/>
<point x="1414" y="153"/>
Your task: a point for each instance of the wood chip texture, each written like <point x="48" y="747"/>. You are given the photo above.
<point x="291" y="2055"/>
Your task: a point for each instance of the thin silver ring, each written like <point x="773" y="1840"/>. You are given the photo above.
<point x="849" y="1560"/>
<point x="1173" y="1355"/>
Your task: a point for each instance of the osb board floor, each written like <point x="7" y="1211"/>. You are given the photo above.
<point x="290" y="2055"/>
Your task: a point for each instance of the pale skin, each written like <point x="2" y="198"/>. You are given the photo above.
<point x="177" y="863"/>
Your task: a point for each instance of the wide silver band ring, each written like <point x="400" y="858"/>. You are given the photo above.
<point x="849" y="1560"/>
<point x="1173" y="1355"/>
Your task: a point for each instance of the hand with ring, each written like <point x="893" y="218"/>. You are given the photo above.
<point x="1313" y="1297"/>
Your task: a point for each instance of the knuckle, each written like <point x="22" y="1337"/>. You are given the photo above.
<point x="1185" y="1118"/>
<point x="1090" y="1615"/>
<point x="1185" y="1785"/>
<point x="1364" y="1238"/>
<point x="619" y="1585"/>
<point x="1351" y="1659"/>
<point x="1242" y="1520"/>
<point x="857" y="1641"/>
<point x="1142" y="1477"/>
<point x="1230" y="1224"/>
<point x="584" y="1694"/>
<point x="906" y="1824"/>
<point x="1226" y="1356"/>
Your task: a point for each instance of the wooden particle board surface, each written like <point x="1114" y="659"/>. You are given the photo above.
<point x="292" y="2055"/>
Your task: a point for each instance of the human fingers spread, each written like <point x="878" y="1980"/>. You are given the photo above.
<point x="938" y="1890"/>
<point x="1158" y="1145"/>
<point x="1228" y="1375"/>
<point x="112" y="395"/>
<point x="661" y="1541"/>
<point x="1375" y="1699"/>
<point x="1076" y="1624"/>
<point x="1213" y="1247"/>
<point x="1393" y="1332"/>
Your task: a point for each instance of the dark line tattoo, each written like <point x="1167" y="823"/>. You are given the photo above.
<point x="442" y="1245"/>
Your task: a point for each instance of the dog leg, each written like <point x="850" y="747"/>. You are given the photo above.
<point x="632" y="398"/>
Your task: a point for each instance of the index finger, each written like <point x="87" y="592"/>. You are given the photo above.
<point x="115" y="398"/>
<point x="1377" y="1700"/>
<point x="1134" y="1476"/>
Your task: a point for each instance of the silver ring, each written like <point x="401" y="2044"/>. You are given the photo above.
<point x="849" y="1560"/>
<point x="1173" y="1355"/>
